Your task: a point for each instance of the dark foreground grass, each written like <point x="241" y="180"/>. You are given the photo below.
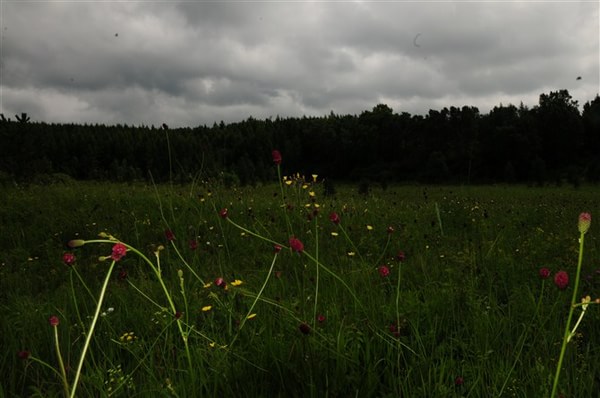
<point x="416" y="292"/>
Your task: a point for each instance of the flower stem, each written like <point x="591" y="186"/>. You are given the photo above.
<point x="569" y="318"/>
<point x="61" y="364"/>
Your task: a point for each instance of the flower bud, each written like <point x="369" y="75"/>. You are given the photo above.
<point x="585" y="219"/>
<point x="76" y="243"/>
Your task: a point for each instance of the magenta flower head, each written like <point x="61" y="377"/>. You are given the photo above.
<point x="24" y="354"/>
<point x="400" y="256"/>
<point x="384" y="271"/>
<point x="561" y="280"/>
<point x="334" y="218"/>
<point x="53" y="321"/>
<point x="276" y="156"/>
<point x="169" y="235"/>
<point x="296" y="245"/>
<point x="585" y="219"/>
<point x="223" y="213"/>
<point x="459" y="381"/>
<point x="193" y="243"/>
<point x="68" y="258"/>
<point x="321" y="318"/>
<point x="544" y="273"/>
<point x="118" y="251"/>
<point x="277" y="248"/>
<point x="220" y="282"/>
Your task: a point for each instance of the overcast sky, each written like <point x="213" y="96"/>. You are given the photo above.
<point x="193" y="63"/>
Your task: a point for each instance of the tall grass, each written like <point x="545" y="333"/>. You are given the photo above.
<point x="206" y="303"/>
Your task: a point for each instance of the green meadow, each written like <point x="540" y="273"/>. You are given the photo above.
<point x="407" y="291"/>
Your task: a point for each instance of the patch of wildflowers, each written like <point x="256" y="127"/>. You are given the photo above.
<point x="561" y="280"/>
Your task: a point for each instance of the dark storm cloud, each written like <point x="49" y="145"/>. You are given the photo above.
<point x="187" y="63"/>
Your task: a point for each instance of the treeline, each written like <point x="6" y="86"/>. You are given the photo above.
<point x="551" y="142"/>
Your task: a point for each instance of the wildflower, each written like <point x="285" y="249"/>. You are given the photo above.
<point x="314" y="176"/>
<point x="53" y="321"/>
<point x="334" y="218"/>
<point x="384" y="271"/>
<point x="122" y="274"/>
<point x="544" y="273"/>
<point x="296" y="244"/>
<point x="276" y="157"/>
<point x="193" y="244"/>
<point x="390" y="229"/>
<point x="128" y="337"/>
<point x="334" y="234"/>
<point x="206" y="308"/>
<point x="400" y="256"/>
<point x="585" y="220"/>
<point x="169" y="235"/>
<point x="277" y="248"/>
<point x="459" y="381"/>
<point x="178" y="314"/>
<point x="236" y="282"/>
<point x="68" y="258"/>
<point x="223" y="212"/>
<point x="207" y="285"/>
<point x="118" y="251"/>
<point x="24" y="354"/>
<point x="304" y="328"/>
<point x="369" y="227"/>
<point x="395" y="330"/>
<point x="312" y="194"/>
<point x="351" y="254"/>
<point x="561" y="280"/>
<point x="220" y="282"/>
<point x="251" y="316"/>
<point x="321" y="318"/>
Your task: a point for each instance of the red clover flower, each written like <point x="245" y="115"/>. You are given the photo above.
<point x="223" y="212"/>
<point x="276" y="157"/>
<point x="296" y="245"/>
<point x="118" y="251"/>
<point x="334" y="218"/>
<point x="68" y="258"/>
<point x="585" y="219"/>
<point x="544" y="273"/>
<point x="384" y="271"/>
<point x="561" y="280"/>
<point x="53" y="321"/>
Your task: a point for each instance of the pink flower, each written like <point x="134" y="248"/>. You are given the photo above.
<point x="585" y="219"/>
<point x="118" y="251"/>
<point x="459" y="381"/>
<point x="24" y="354"/>
<point x="193" y="243"/>
<point x="296" y="245"/>
<point x="169" y="235"/>
<point x="277" y="248"/>
<point x="320" y="318"/>
<point x="384" y="271"/>
<point x="544" y="273"/>
<point x="390" y="229"/>
<point x="68" y="258"/>
<point x="334" y="218"/>
<point x="220" y="282"/>
<point x="223" y="212"/>
<point x="53" y="321"/>
<point x="400" y="256"/>
<point x="561" y="280"/>
<point x="276" y="157"/>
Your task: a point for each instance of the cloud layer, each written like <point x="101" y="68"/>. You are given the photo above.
<point x="191" y="63"/>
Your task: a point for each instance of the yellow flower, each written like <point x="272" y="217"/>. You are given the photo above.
<point x="207" y="285"/>
<point x="251" y="316"/>
<point x="334" y="234"/>
<point x="351" y="254"/>
<point x="288" y="182"/>
<point x="304" y="186"/>
<point x="314" y="176"/>
<point x="370" y="227"/>
<point x="236" y="282"/>
<point x="311" y="194"/>
<point x="206" y="308"/>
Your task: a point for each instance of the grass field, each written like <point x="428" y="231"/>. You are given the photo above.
<point x="409" y="292"/>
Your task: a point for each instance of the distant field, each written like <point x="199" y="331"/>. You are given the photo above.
<point x="417" y="291"/>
